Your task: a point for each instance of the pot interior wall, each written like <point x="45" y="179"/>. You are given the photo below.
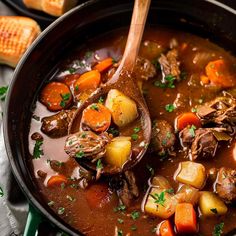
<point x="73" y="30"/>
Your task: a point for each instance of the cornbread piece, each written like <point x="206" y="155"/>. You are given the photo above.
<point x="16" y="35"/>
<point x="52" y="7"/>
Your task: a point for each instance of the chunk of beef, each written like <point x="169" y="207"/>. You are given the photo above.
<point x="170" y="64"/>
<point x="86" y="144"/>
<point x="163" y="137"/>
<point x="126" y="187"/>
<point x="203" y="142"/>
<point x="56" y="126"/>
<point x="226" y="184"/>
<point x="37" y="136"/>
<point x="220" y="111"/>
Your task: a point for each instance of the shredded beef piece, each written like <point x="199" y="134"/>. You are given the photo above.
<point x="86" y="144"/>
<point x="126" y="187"/>
<point x="226" y="184"/>
<point x="56" y="126"/>
<point x="37" y="136"/>
<point x="162" y="137"/>
<point x="170" y="64"/>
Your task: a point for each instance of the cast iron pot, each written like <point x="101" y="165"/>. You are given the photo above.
<point x="206" y="18"/>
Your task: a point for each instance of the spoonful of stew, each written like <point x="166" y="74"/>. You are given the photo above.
<point x="111" y="130"/>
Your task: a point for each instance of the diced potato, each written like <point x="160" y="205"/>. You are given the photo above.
<point x="163" y="208"/>
<point x="123" y="109"/>
<point x="118" y="151"/>
<point x="160" y="182"/>
<point x="191" y="173"/>
<point x="187" y="194"/>
<point x="210" y="204"/>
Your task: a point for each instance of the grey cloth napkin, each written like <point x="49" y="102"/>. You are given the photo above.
<point x="13" y="205"/>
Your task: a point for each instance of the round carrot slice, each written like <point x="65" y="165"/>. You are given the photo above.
<point x="186" y="119"/>
<point x="88" y="80"/>
<point x="56" y="180"/>
<point x="104" y="64"/>
<point x="56" y="96"/>
<point x="97" y="117"/>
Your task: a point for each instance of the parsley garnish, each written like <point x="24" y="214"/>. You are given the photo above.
<point x="159" y="198"/>
<point x="88" y="54"/>
<point x="133" y="227"/>
<point x="101" y="100"/>
<point x="51" y="203"/>
<point x="218" y="229"/>
<point x="113" y="131"/>
<point x="134" y="137"/>
<point x="194" y="110"/>
<point x="170" y="107"/>
<point x="3" y="92"/>
<point x="170" y="190"/>
<point x="169" y="82"/>
<point x="72" y="70"/>
<point x="135" y="215"/>
<point x="70" y="198"/>
<point x="150" y="169"/>
<point x="76" y="87"/>
<point x="214" y="210"/>
<point x="94" y="107"/>
<point x="136" y="129"/>
<point x="1" y="192"/>
<point x="120" y="221"/>
<point x="120" y="208"/>
<point x="79" y="154"/>
<point x="65" y="97"/>
<point x="61" y="210"/>
<point x="83" y="135"/>
<point x="99" y="164"/>
<point x="37" y="149"/>
<point x="192" y="130"/>
<point x="156" y="63"/>
<point x="120" y="232"/>
<point x="63" y="185"/>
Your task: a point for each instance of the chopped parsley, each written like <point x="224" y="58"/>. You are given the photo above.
<point x="38" y="152"/>
<point x="154" y="230"/>
<point x="51" y="203"/>
<point x="99" y="164"/>
<point x="120" y="221"/>
<point x="170" y="107"/>
<point x="192" y="130"/>
<point x="101" y="100"/>
<point x="1" y="192"/>
<point x="94" y="107"/>
<point x="151" y="170"/>
<point x="156" y="63"/>
<point x="79" y="154"/>
<point x="194" y="110"/>
<point x="133" y="227"/>
<point x="159" y="198"/>
<point x="134" y="137"/>
<point x="63" y="185"/>
<point x="88" y="54"/>
<point x="135" y="215"/>
<point x="72" y="199"/>
<point x="170" y="190"/>
<point x="214" y="210"/>
<point x="114" y="61"/>
<point x="137" y="129"/>
<point x="65" y="98"/>
<point x="120" y="208"/>
<point x="76" y="87"/>
<point x="113" y="131"/>
<point x="83" y="135"/>
<point x="36" y="117"/>
<point x="61" y="210"/>
<point x="169" y="82"/>
<point x="72" y="70"/>
<point x="59" y="163"/>
<point x="120" y="232"/>
<point x="3" y="92"/>
<point x="218" y="229"/>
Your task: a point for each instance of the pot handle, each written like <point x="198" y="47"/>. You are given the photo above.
<point x="33" y="221"/>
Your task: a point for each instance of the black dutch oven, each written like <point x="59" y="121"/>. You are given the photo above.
<point x="207" y="18"/>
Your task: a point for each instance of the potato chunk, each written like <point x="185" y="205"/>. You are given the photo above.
<point x="210" y="204"/>
<point x="123" y="109"/>
<point x="191" y="173"/>
<point x="160" y="203"/>
<point x="118" y="151"/>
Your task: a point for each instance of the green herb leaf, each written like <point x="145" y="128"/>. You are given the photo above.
<point x="218" y="229"/>
<point x="72" y="199"/>
<point x="79" y="154"/>
<point x="133" y="227"/>
<point x="38" y="152"/>
<point x="154" y="230"/>
<point x="63" y="185"/>
<point x="214" y="210"/>
<point x="61" y="210"/>
<point x="120" y="208"/>
<point x="159" y="198"/>
<point x="51" y="203"/>
<point x="170" y="190"/>
<point x="72" y="70"/>
<point x="76" y="87"/>
<point x="170" y="107"/>
<point x="1" y="192"/>
<point x="94" y="107"/>
<point x="192" y="130"/>
<point x="3" y="93"/>
<point x="156" y="63"/>
<point x="101" y="100"/>
<point x="121" y="221"/>
<point x="150" y="169"/>
<point x="65" y="97"/>
<point x="170" y="81"/>
<point x="194" y="110"/>
<point x="99" y="164"/>
<point x="120" y="232"/>
<point x="134" y="137"/>
<point x="137" y="129"/>
<point x="88" y="54"/>
<point x="113" y="131"/>
<point x="135" y="215"/>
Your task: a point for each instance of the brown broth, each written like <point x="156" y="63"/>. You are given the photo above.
<point x="187" y="93"/>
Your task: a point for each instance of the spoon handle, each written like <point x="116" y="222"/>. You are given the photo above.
<point x="139" y="16"/>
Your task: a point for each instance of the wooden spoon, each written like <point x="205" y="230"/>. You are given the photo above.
<point x="124" y="82"/>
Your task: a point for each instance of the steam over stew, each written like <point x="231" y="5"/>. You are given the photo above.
<point x="185" y="184"/>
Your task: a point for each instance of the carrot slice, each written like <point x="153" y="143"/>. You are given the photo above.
<point x="97" y="117"/>
<point x="166" y="229"/>
<point x="104" y="64"/>
<point x="56" y="180"/>
<point x="187" y="119"/>
<point x="97" y="195"/>
<point x="185" y="218"/>
<point x="204" y="79"/>
<point x="70" y="79"/>
<point x="218" y="74"/>
<point x="56" y="96"/>
<point x="88" y="80"/>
